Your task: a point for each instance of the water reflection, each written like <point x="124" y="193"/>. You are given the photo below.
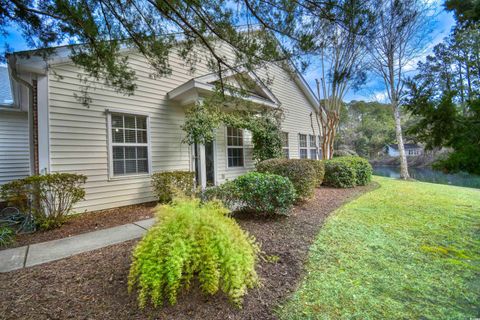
<point x="428" y="175"/>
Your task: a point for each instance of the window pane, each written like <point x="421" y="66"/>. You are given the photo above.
<point x="235" y="157"/>
<point x="286" y="154"/>
<point x="118" y="153"/>
<point x="117" y="135"/>
<point x="142" y="166"/>
<point x="118" y="167"/>
<point x="313" y="142"/>
<point x="303" y="140"/>
<point x="141" y="123"/>
<point x="130" y="166"/>
<point x="129" y="122"/>
<point x="117" y="121"/>
<point x="285" y="139"/>
<point x="234" y="137"/>
<point x="130" y="153"/>
<point x="313" y="154"/>
<point x="303" y="154"/>
<point x="141" y="136"/>
<point x="142" y="153"/>
<point x="130" y="136"/>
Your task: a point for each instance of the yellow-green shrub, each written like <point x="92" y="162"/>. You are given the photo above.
<point x="166" y="184"/>
<point x="193" y="240"/>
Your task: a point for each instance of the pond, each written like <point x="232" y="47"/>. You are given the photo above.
<point x="429" y="175"/>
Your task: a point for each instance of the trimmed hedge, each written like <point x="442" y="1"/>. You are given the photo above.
<point x="256" y="192"/>
<point x="347" y="172"/>
<point x="168" y="183"/>
<point x="319" y="167"/>
<point x="193" y="243"/>
<point x="301" y="173"/>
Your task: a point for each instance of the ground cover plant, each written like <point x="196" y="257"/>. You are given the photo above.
<point x="408" y="250"/>
<point x="193" y="242"/>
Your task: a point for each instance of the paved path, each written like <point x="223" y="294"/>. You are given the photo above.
<point x="32" y="255"/>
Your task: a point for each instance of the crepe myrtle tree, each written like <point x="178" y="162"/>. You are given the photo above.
<point x="340" y="48"/>
<point x="258" y="32"/>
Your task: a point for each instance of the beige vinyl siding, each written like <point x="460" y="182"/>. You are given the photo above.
<point x="14" y="146"/>
<point x="79" y="139"/>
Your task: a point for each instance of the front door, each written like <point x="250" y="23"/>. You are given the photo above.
<point x="204" y="158"/>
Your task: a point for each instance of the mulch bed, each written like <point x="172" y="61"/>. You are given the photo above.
<point x="87" y="222"/>
<point x="93" y="285"/>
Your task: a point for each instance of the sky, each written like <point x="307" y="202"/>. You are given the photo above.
<point x="372" y="90"/>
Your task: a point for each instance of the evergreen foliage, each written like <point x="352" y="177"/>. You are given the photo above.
<point x="193" y="242"/>
<point x="347" y="172"/>
<point x="169" y="183"/>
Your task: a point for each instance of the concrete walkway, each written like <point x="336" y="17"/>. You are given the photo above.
<point x="35" y="254"/>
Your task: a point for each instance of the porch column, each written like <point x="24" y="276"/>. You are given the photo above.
<point x="202" y="166"/>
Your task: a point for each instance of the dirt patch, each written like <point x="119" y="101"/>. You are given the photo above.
<point x="93" y="285"/>
<point x="87" y="222"/>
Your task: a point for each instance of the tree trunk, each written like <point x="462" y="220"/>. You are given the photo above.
<point x="401" y="149"/>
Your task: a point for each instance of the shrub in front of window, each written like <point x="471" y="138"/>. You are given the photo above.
<point x="167" y="184"/>
<point x="193" y="241"/>
<point x="301" y="173"/>
<point x="227" y="193"/>
<point x="50" y="197"/>
<point x="319" y="167"/>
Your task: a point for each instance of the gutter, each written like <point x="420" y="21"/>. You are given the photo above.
<point x="12" y="64"/>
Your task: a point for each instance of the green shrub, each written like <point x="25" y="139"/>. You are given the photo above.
<point x="167" y="184"/>
<point x="300" y="172"/>
<point x="227" y="193"/>
<point x="265" y="193"/>
<point x="363" y="170"/>
<point x="347" y="172"/>
<point x="190" y="241"/>
<point x="339" y="173"/>
<point x="50" y="197"/>
<point x="7" y="236"/>
<point x="319" y="167"/>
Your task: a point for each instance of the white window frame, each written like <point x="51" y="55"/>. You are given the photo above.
<point x="287" y="148"/>
<point x="234" y="147"/>
<point x="110" y="145"/>
<point x="300" y="148"/>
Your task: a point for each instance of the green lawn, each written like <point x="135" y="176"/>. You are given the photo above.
<point x="408" y="250"/>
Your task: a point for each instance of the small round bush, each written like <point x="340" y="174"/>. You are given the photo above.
<point x="363" y="169"/>
<point x="339" y="174"/>
<point x="265" y="193"/>
<point x="301" y="173"/>
<point x="191" y="241"/>
<point x="319" y="167"/>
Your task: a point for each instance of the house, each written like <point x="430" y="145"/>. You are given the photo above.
<point x="117" y="141"/>
<point x="411" y="149"/>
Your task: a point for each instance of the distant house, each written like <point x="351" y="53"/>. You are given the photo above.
<point x="411" y="149"/>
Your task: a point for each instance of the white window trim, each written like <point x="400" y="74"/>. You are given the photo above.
<point x="237" y="147"/>
<point x="111" y="176"/>
<point x="310" y="148"/>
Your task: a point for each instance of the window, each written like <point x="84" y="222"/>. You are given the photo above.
<point x="313" y="147"/>
<point x="302" y="139"/>
<point x="234" y="147"/>
<point x="286" y="152"/>
<point x="129" y="147"/>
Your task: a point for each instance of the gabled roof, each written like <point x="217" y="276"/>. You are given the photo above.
<point x="6" y="98"/>
<point x="256" y="90"/>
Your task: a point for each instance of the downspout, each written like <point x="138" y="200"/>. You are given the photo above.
<point x="29" y="86"/>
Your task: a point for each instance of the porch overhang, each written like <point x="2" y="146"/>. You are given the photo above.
<point x="196" y="88"/>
